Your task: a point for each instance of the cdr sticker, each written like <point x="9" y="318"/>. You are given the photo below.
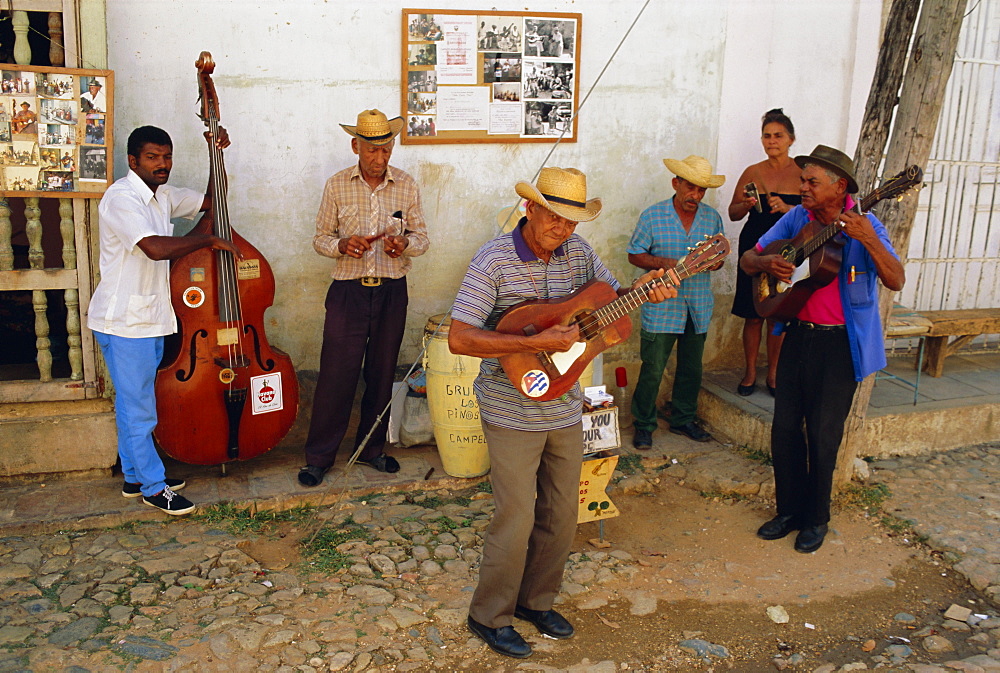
<point x="535" y="383"/>
<point x="227" y="375"/>
<point x="194" y="297"/>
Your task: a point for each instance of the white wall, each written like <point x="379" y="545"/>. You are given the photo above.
<point x="693" y="78"/>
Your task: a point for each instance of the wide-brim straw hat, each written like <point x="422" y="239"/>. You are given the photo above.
<point x="563" y="191"/>
<point x="374" y="128"/>
<point x="835" y="160"/>
<point x="508" y="217"/>
<point x="696" y="170"/>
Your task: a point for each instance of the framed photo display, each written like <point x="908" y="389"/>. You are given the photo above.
<point x="489" y="77"/>
<point x="55" y="131"/>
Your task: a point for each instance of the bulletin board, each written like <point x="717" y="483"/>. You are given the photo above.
<point x="489" y="77"/>
<point x="55" y="131"/>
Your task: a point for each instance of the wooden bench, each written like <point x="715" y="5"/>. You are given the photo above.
<point x="965" y="324"/>
<point x="904" y="323"/>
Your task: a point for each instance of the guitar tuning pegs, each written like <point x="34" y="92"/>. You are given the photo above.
<point x="690" y="249"/>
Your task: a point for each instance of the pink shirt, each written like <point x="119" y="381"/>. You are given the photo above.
<point x="824" y="306"/>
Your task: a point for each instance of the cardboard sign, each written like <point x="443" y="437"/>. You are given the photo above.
<point x="595" y="503"/>
<point x="600" y="430"/>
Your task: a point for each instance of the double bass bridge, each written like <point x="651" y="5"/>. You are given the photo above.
<point x="234" y="362"/>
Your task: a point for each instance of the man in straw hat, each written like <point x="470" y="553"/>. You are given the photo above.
<point x="834" y="342"/>
<point x="536" y="448"/>
<point x="371" y="222"/>
<point x="664" y="234"/>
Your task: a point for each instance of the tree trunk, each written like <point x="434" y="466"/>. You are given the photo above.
<point x="930" y="63"/>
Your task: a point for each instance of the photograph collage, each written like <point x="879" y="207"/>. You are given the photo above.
<point x="52" y="129"/>
<point x="490" y="75"/>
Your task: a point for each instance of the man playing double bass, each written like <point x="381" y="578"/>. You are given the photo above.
<point x="834" y="342"/>
<point x="370" y="221"/>
<point x="130" y="311"/>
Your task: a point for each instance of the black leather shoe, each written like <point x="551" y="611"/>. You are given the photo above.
<point x="504" y="640"/>
<point x="549" y="622"/>
<point x="778" y="527"/>
<point x="746" y="391"/>
<point x="810" y="538"/>
<point x="692" y="431"/>
<point x="642" y="440"/>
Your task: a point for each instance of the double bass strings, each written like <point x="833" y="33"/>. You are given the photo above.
<point x="230" y="304"/>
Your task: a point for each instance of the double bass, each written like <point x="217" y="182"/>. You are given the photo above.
<point x="225" y="394"/>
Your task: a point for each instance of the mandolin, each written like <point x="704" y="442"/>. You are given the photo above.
<point x="603" y="319"/>
<point x="816" y="258"/>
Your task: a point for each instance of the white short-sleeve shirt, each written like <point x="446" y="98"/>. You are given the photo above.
<point x="133" y="297"/>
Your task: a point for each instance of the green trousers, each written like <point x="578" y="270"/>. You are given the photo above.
<point x="655" y="351"/>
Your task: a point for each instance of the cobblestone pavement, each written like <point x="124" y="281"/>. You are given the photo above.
<point x="953" y="500"/>
<point x="188" y="595"/>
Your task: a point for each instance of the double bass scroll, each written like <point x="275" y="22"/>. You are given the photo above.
<point x="225" y="393"/>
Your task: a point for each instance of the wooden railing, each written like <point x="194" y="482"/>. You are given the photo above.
<point x="73" y="277"/>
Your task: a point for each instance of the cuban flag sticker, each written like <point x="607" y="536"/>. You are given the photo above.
<point x="535" y="383"/>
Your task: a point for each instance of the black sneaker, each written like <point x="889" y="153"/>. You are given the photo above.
<point x="130" y="490"/>
<point x="169" y="502"/>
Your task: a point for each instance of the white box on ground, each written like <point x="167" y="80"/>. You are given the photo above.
<point x="600" y="430"/>
<point x="597" y="396"/>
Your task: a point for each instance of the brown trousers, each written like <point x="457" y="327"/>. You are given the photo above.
<point x="536" y="490"/>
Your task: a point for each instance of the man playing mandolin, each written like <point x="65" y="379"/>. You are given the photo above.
<point x="834" y="341"/>
<point x="664" y="232"/>
<point x="535" y="447"/>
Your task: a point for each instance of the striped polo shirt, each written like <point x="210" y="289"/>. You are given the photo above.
<point x="660" y="232"/>
<point x="505" y="272"/>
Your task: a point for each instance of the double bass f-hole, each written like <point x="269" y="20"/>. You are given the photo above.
<point x="227" y="394"/>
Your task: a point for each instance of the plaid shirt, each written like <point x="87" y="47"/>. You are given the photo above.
<point x="503" y="273"/>
<point x="660" y="232"/>
<point x="351" y="207"/>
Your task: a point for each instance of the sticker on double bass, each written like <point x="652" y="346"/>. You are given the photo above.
<point x="248" y="269"/>
<point x="227" y="375"/>
<point x="194" y="297"/>
<point x="534" y="383"/>
<point x="265" y="393"/>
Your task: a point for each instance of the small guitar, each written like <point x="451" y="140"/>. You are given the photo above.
<point x="816" y="258"/>
<point x="602" y="317"/>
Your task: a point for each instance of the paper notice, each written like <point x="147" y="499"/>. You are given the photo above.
<point x="506" y="118"/>
<point x="457" y="53"/>
<point x="463" y="108"/>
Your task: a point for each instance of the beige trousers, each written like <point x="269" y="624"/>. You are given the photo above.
<point x="536" y="489"/>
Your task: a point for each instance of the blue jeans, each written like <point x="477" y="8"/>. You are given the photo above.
<point x="132" y="364"/>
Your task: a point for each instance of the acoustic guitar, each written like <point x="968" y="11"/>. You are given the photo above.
<point x="602" y="317"/>
<point x="816" y="258"/>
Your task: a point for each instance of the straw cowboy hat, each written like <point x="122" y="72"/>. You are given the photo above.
<point x="374" y="128"/>
<point x="564" y="192"/>
<point x="835" y="160"/>
<point x="695" y="170"/>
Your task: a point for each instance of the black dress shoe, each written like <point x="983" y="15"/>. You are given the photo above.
<point x="810" y="538"/>
<point x="549" y="622"/>
<point x="642" y="440"/>
<point x="778" y="527"/>
<point x="746" y="391"/>
<point x="504" y="640"/>
<point x="692" y="431"/>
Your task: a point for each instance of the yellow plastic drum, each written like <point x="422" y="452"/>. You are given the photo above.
<point x="453" y="406"/>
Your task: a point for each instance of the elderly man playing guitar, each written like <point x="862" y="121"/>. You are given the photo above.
<point x="535" y="446"/>
<point x="833" y="340"/>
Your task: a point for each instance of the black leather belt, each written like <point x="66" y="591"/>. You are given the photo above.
<point x="805" y="324"/>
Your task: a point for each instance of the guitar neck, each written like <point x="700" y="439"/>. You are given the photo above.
<point x="636" y="297"/>
<point x="832" y="229"/>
